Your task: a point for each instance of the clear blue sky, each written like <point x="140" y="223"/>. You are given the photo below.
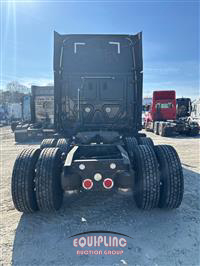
<point x="170" y="38"/>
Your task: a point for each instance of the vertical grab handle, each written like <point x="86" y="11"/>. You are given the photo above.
<point x="78" y="98"/>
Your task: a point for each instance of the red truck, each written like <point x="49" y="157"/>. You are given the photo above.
<point x="162" y="117"/>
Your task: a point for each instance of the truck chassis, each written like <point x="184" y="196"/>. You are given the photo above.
<point x="173" y="127"/>
<point x="41" y="176"/>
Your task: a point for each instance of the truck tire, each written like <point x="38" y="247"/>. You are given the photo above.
<point x="142" y="135"/>
<point x="131" y="142"/>
<point x="161" y="130"/>
<point x="156" y="128"/>
<point x="21" y="135"/>
<point x="63" y="145"/>
<point x="172" y="183"/>
<point x="22" y="183"/>
<point x="14" y="125"/>
<point x="147" y="178"/>
<point x="48" y="143"/>
<point x="146" y="141"/>
<point x="49" y="194"/>
<point x="165" y="131"/>
<point x="194" y="131"/>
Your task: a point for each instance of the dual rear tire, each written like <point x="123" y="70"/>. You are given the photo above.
<point x="131" y="142"/>
<point x="36" y="181"/>
<point x="159" y="177"/>
<point x="158" y="182"/>
<point x="48" y="143"/>
<point x="146" y="141"/>
<point x="61" y="143"/>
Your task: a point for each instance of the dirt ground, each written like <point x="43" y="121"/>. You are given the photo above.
<point x="160" y="237"/>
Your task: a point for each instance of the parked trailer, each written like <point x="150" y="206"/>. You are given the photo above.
<point x="10" y="112"/>
<point x="98" y="109"/>
<point x="25" y="113"/>
<point x="168" y="116"/>
<point x="26" y="108"/>
<point x="14" y="111"/>
<point x="195" y="112"/>
<point x="3" y="115"/>
<point x="39" y="124"/>
<point x="43" y="104"/>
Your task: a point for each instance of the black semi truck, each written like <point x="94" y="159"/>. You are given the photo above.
<point x="186" y="125"/>
<point x="98" y="147"/>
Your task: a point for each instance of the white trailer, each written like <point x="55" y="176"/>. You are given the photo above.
<point x="195" y="114"/>
<point x="14" y="111"/>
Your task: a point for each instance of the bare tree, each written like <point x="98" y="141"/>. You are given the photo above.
<point x="16" y="86"/>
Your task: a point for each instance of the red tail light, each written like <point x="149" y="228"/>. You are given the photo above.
<point x="108" y="183"/>
<point x="87" y="184"/>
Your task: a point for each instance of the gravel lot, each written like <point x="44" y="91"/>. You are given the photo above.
<point x="160" y="237"/>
